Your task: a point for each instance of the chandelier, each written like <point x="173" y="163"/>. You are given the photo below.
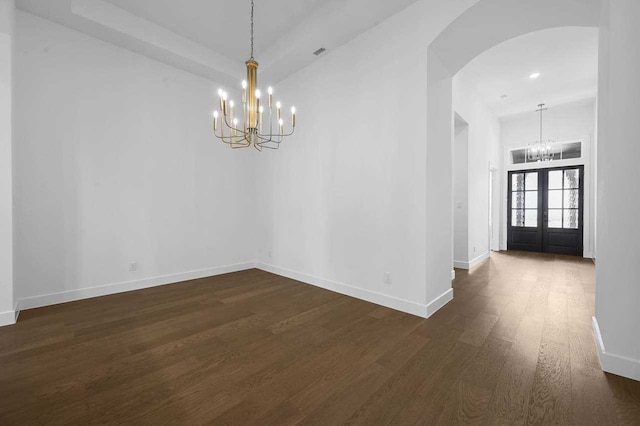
<point x="250" y="127"/>
<point x="540" y="150"/>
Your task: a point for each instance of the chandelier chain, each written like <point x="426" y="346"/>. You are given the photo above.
<point x="251" y="29"/>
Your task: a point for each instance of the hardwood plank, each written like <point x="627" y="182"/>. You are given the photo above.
<point x="511" y="395"/>
<point x="550" y="400"/>
<point x="590" y="397"/>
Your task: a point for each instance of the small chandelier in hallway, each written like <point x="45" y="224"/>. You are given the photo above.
<point x="540" y="150"/>
<point x="251" y="128"/>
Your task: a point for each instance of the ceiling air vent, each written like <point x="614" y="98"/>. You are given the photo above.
<point x="319" y="51"/>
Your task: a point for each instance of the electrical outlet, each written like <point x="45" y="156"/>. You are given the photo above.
<point x="133" y="266"/>
<point x="387" y="278"/>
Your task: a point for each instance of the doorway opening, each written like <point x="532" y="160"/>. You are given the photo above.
<point x="494" y="208"/>
<point x="461" y="193"/>
<point x="546" y="210"/>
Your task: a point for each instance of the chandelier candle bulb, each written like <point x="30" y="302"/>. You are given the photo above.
<point x="224" y="103"/>
<point x="278" y="105"/>
<point x="215" y="120"/>
<point x="270" y="91"/>
<point x="293" y="116"/>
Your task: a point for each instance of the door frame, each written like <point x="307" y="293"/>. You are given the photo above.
<point x="543" y="226"/>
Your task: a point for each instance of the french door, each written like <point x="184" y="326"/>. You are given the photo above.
<point x="545" y="210"/>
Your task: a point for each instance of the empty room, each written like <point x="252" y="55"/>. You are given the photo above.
<point x="272" y="212"/>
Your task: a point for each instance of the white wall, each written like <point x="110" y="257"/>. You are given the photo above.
<point x="617" y="283"/>
<point x="483" y="152"/>
<point x="7" y="9"/>
<point x="115" y="162"/>
<point x="572" y="121"/>
<point x="560" y="122"/>
<point x="344" y="201"/>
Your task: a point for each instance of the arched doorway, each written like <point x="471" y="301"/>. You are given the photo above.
<point x="483" y="26"/>
<point x="489" y="23"/>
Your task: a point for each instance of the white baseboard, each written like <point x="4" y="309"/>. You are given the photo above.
<point x="103" y="290"/>
<point x="7" y="318"/>
<point x="468" y="265"/>
<point x="421" y="310"/>
<point x="439" y="302"/>
<point x="453" y="274"/>
<point x="615" y="364"/>
<point x="460" y="264"/>
<point x="392" y="302"/>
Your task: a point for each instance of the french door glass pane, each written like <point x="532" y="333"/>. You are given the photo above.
<point x="555" y="179"/>
<point x="571" y="198"/>
<point x="531" y="200"/>
<point x="555" y="218"/>
<point x="517" y="217"/>
<point x="571" y="179"/>
<point x="517" y="182"/>
<point x="555" y="199"/>
<point x="517" y="200"/>
<point x="532" y="181"/>
<point x="531" y="218"/>
<point x="571" y="219"/>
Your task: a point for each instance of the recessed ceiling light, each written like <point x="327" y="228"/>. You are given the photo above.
<point x="534" y="75"/>
<point x="503" y="97"/>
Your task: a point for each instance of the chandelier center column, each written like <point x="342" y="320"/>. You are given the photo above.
<point x="252" y="102"/>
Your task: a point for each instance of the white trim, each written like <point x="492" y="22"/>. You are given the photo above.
<point x="615" y="364"/>
<point x="17" y="309"/>
<point x="460" y="264"/>
<point x="357" y="292"/>
<point x="7" y="318"/>
<point x="468" y="265"/>
<point x="439" y="302"/>
<point x="103" y="290"/>
<point x="453" y="274"/>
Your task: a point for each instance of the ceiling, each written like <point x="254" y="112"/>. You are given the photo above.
<point x="211" y="37"/>
<point x="223" y="25"/>
<point x="566" y="58"/>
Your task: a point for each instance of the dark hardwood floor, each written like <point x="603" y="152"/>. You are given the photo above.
<point x="514" y="347"/>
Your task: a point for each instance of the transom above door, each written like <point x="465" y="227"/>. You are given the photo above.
<point x="545" y="210"/>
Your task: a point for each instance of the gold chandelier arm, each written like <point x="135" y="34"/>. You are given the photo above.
<point x="247" y="145"/>
<point x="229" y="138"/>
<point x="237" y="141"/>
<point x="233" y="128"/>
<point x="269" y="137"/>
<point x="268" y="143"/>
<point x="264" y="145"/>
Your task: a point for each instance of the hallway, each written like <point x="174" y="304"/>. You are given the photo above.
<point x="531" y="314"/>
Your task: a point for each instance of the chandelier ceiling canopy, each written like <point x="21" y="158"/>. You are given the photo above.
<point x="250" y="128"/>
